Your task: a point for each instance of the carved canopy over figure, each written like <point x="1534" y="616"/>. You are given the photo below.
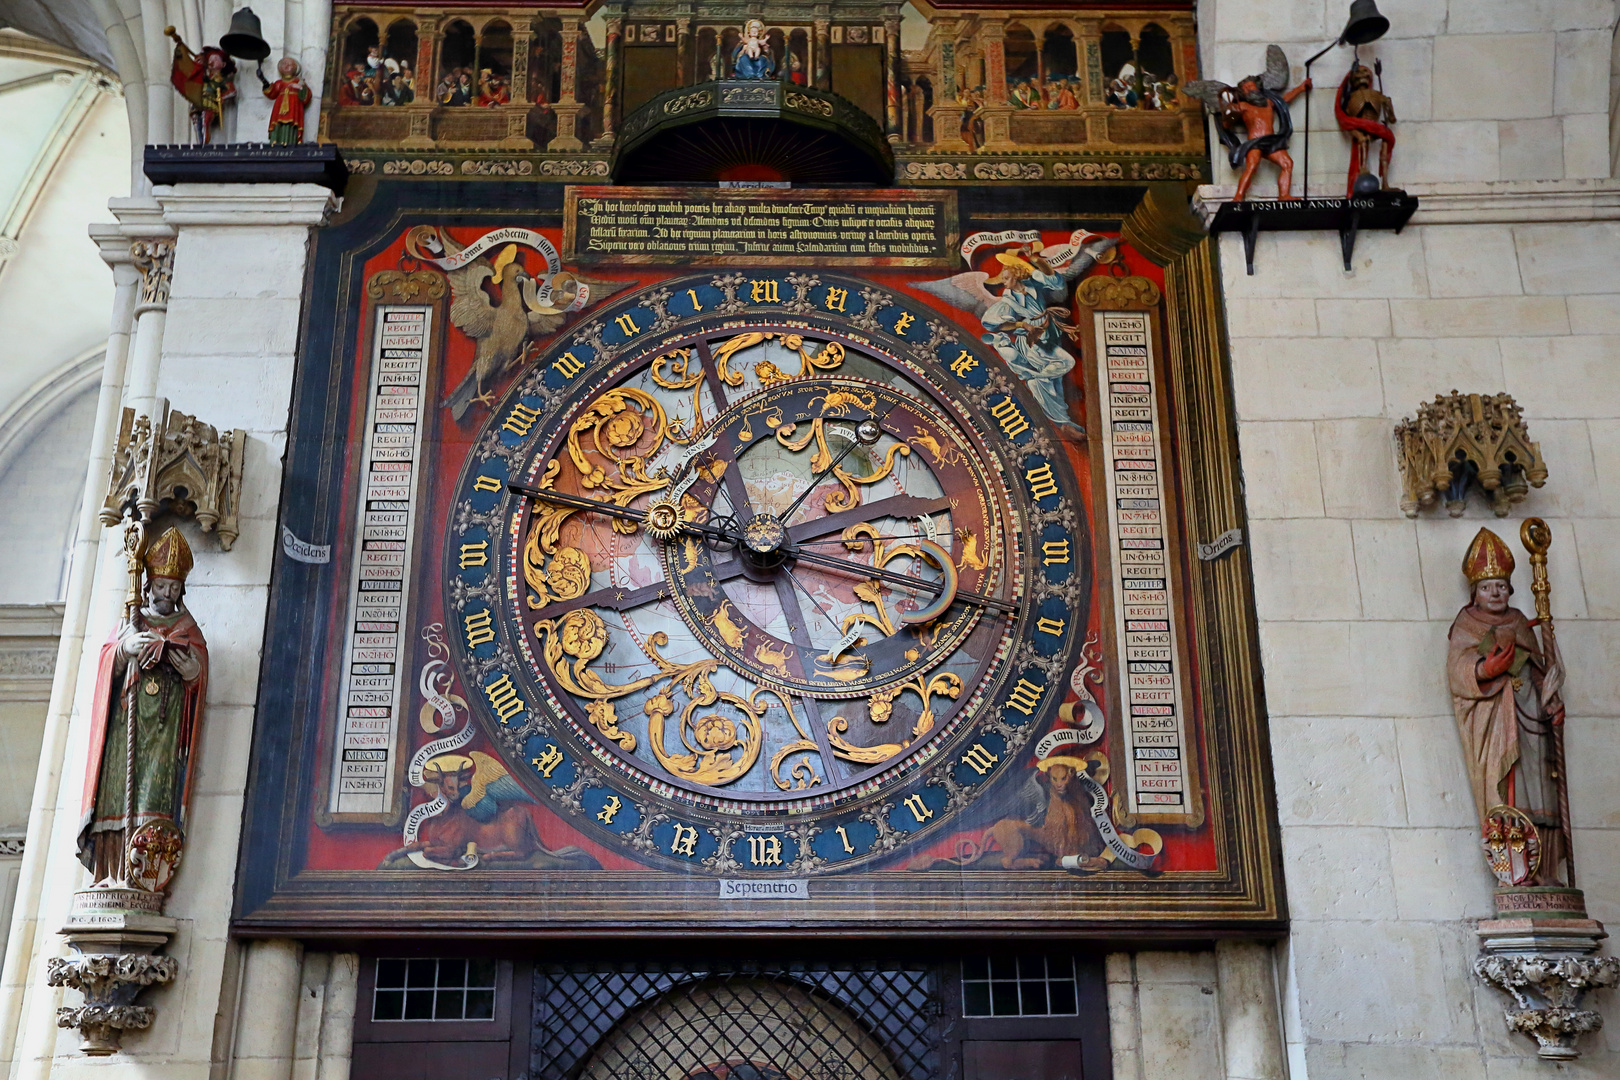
<point x="1254" y="120"/>
<point x="156" y="664"/>
<point x="1505" y="694"/>
<point x="752" y="57"/>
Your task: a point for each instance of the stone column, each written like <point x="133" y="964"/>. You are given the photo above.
<point x="568" y="107"/>
<point x="154" y="259"/>
<point x="267" y="1010"/>
<point x="891" y="77"/>
<point x="1251" y="1024"/>
<point x="823" y="59"/>
<point x="946" y="112"/>
<point x="226" y="355"/>
<point x="684" y="59"/>
<point x="26" y="930"/>
<point x="324" y="1044"/>
<point x="610" y="81"/>
<point x="997" y="113"/>
<point x="522" y="99"/>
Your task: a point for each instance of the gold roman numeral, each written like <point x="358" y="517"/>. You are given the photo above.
<point x="979" y="759"/>
<point x="1025" y="696"/>
<point x="1041" y="482"/>
<point x="504" y="699"/>
<point x="568" y="365"/>
<point x="1010" y="417"/>
<point x="479" y="629"/>
<point x="521" y="419"/>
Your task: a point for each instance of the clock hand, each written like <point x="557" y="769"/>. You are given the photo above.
<point x="609" y="509"/>
<point x="867" y="432"/>
<point x="936" y="587"/>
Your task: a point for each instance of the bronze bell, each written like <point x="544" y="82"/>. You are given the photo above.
<point x="1365" y="24"/>
<point x="245" y="38"/>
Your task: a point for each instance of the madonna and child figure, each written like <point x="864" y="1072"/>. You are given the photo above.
<point x="752" y="58"/>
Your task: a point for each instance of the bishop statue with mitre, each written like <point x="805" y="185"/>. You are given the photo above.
<point x="1504" y="692"/>
<point x="155" y="664"/>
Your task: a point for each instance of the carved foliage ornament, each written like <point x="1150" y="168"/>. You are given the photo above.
<point x="109" y="984"/>
<point x="1549" y="992"/>
<point x="1458" y="441"/>
<point x="180" y="464"/>
<point x="155" y="261"/>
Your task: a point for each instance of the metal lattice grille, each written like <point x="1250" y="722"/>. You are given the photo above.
<point x="659" y="1021"/>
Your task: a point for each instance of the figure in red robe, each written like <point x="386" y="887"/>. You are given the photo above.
<point x="289" y="95"/>
<point x="156" y="667"/>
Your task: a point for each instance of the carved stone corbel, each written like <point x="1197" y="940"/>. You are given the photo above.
<point x="155" y="261"/>
<point x="180" y="464"/>
<point x="1458" y="441"/>
<point x="1549" y="990"/>
<point x="116" y="961"/>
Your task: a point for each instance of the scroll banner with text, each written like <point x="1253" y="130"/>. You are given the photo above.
<point x="760" y="226"/>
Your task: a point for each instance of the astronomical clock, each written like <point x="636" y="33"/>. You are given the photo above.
<point x="777" y="577"/>
<point x="622" y="587"/>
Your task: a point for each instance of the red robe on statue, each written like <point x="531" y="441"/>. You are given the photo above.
<point x="288" y="97"/>
<point x="182" y="631"/>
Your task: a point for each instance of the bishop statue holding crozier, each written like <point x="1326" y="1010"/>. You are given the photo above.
<point x="1505" y="680"/>
<point x="149" y="692"/>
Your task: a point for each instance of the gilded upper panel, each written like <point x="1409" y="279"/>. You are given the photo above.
<point x="968" y="94"/>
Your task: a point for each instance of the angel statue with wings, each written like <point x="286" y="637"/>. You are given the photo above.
<point x="1028" y="322"/>
<point x="502" y="306"/>
<point x="1254" y="120"/>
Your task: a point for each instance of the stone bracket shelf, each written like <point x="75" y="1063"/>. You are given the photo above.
<point x="248" y="163"/>
<point x="1347" y="217"/>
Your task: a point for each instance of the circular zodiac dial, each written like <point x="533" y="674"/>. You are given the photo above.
<point x="752" y="563"/>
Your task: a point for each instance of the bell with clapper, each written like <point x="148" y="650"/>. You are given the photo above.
<point x="245" y="39"/>
<point x="1365" y="24"/>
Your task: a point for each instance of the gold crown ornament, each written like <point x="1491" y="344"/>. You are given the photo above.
<point x="1488" y="558"/>
<point x="169" y="556"/>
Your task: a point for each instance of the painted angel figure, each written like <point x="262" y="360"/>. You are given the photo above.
<point x="1254" y="120"/>
<point x="502" y="307"/>
<point x="1027" y="322"/>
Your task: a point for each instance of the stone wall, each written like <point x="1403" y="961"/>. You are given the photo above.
<point x="1485" y="89"/>
<point x="1381" y="850"/>
<point x="1507" y="279"/>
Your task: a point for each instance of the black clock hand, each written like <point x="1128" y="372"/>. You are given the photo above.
<point x="875" y="432"/>
<point x="818" y="559"/>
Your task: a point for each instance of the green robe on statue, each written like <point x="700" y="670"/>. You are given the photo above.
<point x="167" y="708"/>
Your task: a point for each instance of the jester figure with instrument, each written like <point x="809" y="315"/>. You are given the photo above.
<point x="148" y="706"/>
<point x="1505" y="676"/>
<point x="207" y="80"/>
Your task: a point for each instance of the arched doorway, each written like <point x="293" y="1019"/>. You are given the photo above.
<point x="740" y="1028"/>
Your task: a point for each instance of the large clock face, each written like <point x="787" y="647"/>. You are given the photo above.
<point x="775" y="566"/>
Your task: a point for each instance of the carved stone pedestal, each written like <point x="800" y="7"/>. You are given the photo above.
<point x="116" y="933"/>
<point x="1539" y="950"/>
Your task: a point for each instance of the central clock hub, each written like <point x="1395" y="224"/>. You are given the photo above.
<point x="765" y="544"/>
